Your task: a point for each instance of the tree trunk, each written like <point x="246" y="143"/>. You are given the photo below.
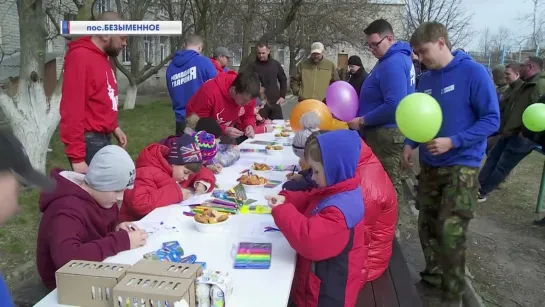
<point x="32" y="115"/>
<point x="293" y="59"/>
<point x="130" y="96"/>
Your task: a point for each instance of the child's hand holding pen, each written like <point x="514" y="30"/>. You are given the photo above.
<point x="127" y="226"/>
<point x="275" y="200"/>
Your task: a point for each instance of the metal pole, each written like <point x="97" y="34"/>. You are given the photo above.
<point x="541" y="194"/>
<point x="502" y="55"/>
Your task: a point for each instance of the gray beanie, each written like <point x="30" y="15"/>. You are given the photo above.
<point x="111" y="170"/>
<point x="309" y="122"/>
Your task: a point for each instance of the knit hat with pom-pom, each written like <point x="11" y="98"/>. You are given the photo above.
<point x="309" y="122"/>
<point x="207" y="144"/>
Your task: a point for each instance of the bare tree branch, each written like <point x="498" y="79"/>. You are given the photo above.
<point x="451" y="13"/>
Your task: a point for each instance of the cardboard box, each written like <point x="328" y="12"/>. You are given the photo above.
<point x="88" y="283"/>
<point x="169" y="269"/>
<point x="152" y="291"/>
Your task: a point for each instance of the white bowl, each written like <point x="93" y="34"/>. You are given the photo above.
<point x="254" y="188"/>
<point x="273" y="152"/>
<point x="211" y="228"/>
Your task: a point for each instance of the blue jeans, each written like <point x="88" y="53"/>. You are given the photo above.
<point x="502" y="159"/>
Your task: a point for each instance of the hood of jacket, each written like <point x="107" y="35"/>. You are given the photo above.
<point x="182" y="57"/>
<point x="340" y="154"/>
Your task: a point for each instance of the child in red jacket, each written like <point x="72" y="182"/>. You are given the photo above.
<point x="166" y="175"/>
<point x="81" y="218"/>
<point x="325" y="225"/>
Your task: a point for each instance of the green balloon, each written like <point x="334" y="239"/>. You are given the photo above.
<point x="419" y="117"/>
<point x="533" y="117"/>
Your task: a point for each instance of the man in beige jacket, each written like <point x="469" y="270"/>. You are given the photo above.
<point x="313" y="75"/>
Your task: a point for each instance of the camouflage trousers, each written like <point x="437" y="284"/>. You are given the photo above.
<point x="387" y="145"/>
<point x="446" y="201"/>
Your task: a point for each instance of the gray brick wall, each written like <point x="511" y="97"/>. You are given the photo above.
<point x="9" y="24"/>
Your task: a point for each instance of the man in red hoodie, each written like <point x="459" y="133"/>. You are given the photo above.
<point x="221" y="59"/>
<point x="227" y="98"/>
<point x="89" y="96"/>
<point x="81" y="218"/>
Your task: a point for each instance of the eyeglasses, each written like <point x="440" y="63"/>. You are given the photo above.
<point x="374" y="45"/>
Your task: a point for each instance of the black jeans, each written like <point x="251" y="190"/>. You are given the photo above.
<point x="94" y="142"/>
<point x="180" y="127"/>
<point x="271" y="111"/>
<point x="241" y="139"/>
<point x="502" y="159"/>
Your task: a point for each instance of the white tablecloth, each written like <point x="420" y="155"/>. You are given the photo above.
<point x="251" y="287"/>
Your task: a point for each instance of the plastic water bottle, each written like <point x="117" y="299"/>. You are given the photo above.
<point x="216" y="297"/>
<point x="203" y="295"/>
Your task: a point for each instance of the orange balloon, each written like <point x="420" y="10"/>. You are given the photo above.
<point x="311" y="105"/>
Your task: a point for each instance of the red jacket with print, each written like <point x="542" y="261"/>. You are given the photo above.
<point x="154" y="186"/>
<point x="213" y="100"/>
<point x="89" y="96"/>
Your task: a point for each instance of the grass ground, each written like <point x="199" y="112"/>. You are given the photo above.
<point x="145" y="124"/>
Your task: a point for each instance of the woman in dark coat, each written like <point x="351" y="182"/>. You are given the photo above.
<point x="357" y="73"/>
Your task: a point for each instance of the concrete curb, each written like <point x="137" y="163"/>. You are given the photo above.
<point x="471" y="297"/>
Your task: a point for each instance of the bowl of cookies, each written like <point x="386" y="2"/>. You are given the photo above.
<point x="286" y="130"/>
<point x="210" y="221"/>
<point x="252" y="183"/>
<point x="260" y="168"/>
<point x="282" y="135"/>
<point x="274" y="150"/>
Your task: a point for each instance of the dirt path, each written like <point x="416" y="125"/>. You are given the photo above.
<point x="506" y="254"/>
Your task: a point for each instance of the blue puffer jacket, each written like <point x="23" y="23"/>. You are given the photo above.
<point x="301" y="185"/>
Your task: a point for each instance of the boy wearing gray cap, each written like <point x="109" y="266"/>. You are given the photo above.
<point x="80" y="216"/>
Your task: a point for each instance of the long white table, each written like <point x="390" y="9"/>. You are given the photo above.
<point x="266" y="288"/>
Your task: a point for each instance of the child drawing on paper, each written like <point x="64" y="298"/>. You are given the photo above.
<point x="325" y="225"/>
<point x="302" y="180"/>
<point x="166" y="175"/>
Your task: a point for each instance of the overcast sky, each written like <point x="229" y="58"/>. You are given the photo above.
<point x="495" y="13"/>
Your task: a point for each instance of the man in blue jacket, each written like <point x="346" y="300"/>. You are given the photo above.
<point x="392" y="78"/>
<point x="186" y="73"/>
<point x="15" y="171"/>
<point x="447" y="187"/>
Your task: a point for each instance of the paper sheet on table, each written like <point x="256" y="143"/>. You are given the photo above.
<point x="171" y="223"/>
<point x="254" y="231"/>
<point x="196" y="199"/>
<point x="149" y="227"/>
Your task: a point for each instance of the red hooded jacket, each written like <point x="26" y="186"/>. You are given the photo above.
<point x="213" y="100"/>
<point x="217" y="66"/>
<point x="325" y="227"/>
<point x="74" y="227"/>
<point x="380" y="213"/>
<point x="154" y="186"/>
<point x="89" y="96"/>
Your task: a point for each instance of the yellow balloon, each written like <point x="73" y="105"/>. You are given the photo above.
<point x="338" y="125"/>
